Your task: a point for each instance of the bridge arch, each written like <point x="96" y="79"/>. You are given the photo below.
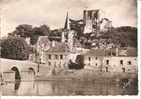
<point x="32" y="70"/>
<point x="17" y="73"/>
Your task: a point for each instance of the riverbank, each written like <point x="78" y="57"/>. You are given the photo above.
<point x="86" y="75"/>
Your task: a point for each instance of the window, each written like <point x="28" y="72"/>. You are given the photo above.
<point x="89" y="58"/>
<point x="96" y="58"/>
<point x="56" y="56"/>
<point x="121" y="62"/>
<point x="49" y="56"/>
<point x="107" y="62"/>
<point x="96" y="64"/>
<point x="106" y="69"/>
<point x="61" y="56"/>
<point x="129" y="62"/>
<point x="123" y="69"/>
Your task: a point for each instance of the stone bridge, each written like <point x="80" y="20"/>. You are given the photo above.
<point x="11" y="70"/>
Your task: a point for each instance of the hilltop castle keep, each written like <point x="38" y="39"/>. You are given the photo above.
<point x="94" y="22"/>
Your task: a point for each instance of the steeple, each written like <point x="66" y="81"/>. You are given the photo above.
<point x="67" y="25"/>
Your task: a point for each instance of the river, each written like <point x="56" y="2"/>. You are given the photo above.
<point x="61" y="88"/>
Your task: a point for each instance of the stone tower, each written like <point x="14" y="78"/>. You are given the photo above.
<point x="91" y="21"/>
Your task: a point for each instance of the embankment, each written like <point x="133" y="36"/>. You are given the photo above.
<point x="87" y="75"/>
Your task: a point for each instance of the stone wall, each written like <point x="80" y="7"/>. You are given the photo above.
<point x="121" y="64"/>
<point x="56" y="62"/>
<point x="24" y="68"/>
<point x="111" y="64"/>
<point x="9" y="76"/>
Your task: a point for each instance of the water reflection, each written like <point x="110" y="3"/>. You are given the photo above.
<point x="96" y="87"/>
<point x="17" y="85"/>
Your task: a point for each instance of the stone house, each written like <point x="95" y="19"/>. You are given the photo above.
<point x="58" y="56"/>
<point x="113" y="60"/>
<point x="93" y="59"/>
<point x="120" y="64"/>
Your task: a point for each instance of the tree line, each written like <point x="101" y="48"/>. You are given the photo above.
<point x="15" y="46"/>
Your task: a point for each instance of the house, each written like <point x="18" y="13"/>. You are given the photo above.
<point x="120" y="64"/>
<point x="93" y="59"/>
<point x="57" y="56"/>
<point x="112" y="60"/>
<point x="124" y="60"/>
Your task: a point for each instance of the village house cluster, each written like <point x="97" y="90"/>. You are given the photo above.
<point x="106" y="58"/>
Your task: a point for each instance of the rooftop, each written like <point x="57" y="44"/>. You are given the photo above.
<point x="122" y="52"/>
<point x="96" y="52"/>
<point x="59" y="48"/>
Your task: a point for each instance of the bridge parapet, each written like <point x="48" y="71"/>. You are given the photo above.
<point x="23" y="67"/>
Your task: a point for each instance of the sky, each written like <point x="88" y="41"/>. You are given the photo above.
<point x="53" y="12"/>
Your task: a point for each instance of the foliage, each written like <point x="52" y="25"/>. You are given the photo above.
<point x="25" y="30"/>
<point x="126" y="36"/>
<point x="14" y="48"/>
<point x="79" y="63"/>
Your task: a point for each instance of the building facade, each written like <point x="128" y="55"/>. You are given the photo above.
<point x="120" y="64"/>
<point x="102" y="61"/>
<point x="57" y="56"/>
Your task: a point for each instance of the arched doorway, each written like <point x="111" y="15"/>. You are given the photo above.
<point x="31" y="74"/>
<point x="32" y="70"/>
<point x="17" y="73"/>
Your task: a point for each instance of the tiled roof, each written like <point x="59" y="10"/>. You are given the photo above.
<point x="59" y="48"/>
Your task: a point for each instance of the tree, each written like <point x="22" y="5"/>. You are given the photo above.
<point x="26" y="30"/>
<point x="23" y="30"/>
<point x="43" y="30"/>
<point x="80" y="61"/>
<point x="14" y="48"/>
<point x="78" y="64"/>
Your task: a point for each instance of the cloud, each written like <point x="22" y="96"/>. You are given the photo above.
<point x="53" y="12"/>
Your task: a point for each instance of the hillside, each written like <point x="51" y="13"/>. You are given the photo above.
<point x="126" y="36"/>
<point x="123" y="36"/>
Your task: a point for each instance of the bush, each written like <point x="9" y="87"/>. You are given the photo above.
<point x="14" y="48"/>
